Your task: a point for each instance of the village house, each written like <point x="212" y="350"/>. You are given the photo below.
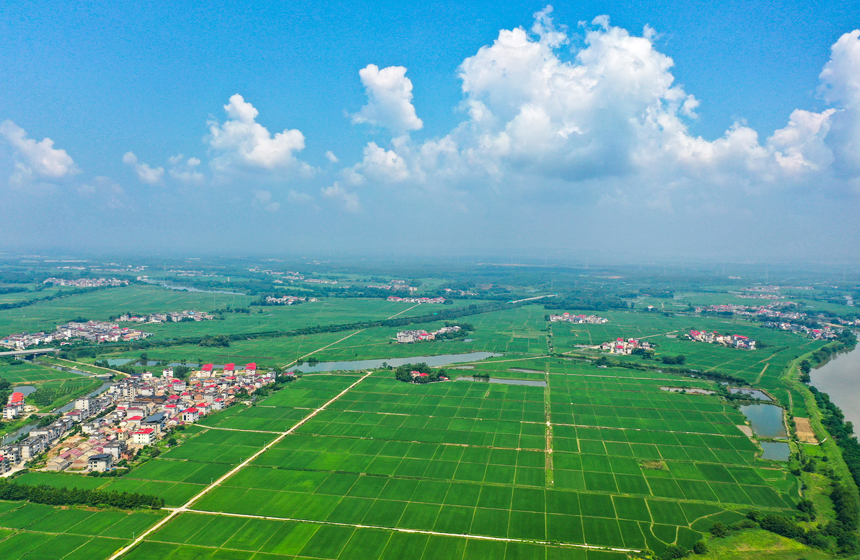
<point x="101" y="462"/>
<point x="143" y="437"/>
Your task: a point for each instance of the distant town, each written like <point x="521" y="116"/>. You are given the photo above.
<point x="99" y="331"/>
<point x="172" y="317"/>
<point x="287" y="300"/>
<point x="416" y="299"/>
<point x="579" y="319"/>
<point x="86" y="282"/>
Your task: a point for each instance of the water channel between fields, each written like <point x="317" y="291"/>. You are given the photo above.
<point x="840" y="379"/>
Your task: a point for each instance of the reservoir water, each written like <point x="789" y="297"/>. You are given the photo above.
<point x="840" y="379"/>
<point x="766" y="420"/>
<point x="442" y="360"/>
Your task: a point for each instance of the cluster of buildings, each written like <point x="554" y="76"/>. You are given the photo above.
<point x="394" y="285"/>
<point x="94" y="331"/>
<point x="824" y="333"/>
<point x="775" y="310"/>
<point x="730" y="340"/>
<point x="590" y="319"/>
<point x="423" y="336"/>
<point x="288" y="275"/>
<point x="131" y="414"/>
<point x="86" y="282"/>
<point x="622" y="346"/>
<point x="287" y="300"/>
<point x="173" y="317"/>
<point x="416" y="299"/>
<point x="461" y="293"/>
<point x="319" y="281"/>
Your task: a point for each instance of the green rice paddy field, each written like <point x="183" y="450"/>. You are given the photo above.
<point x="599" y="459"/>
<point x="36" y="531"/>
<point x="598" y="463"/>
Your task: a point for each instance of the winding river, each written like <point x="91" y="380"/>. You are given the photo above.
<point x="840" y="379"/>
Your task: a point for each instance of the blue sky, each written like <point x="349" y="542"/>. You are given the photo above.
<point x="437" y="128"/>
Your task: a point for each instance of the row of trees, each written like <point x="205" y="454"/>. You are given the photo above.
<point x="44" y="494"/>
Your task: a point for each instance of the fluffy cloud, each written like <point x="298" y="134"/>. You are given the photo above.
<point x="389" y="99"/>
<point x="35" y="161"/>
<point x="329" y="155"/>
<point x="146" y="174"/>
<point x="347" y="200"/>
<point x="841" y="86"/>
<point x="378" y="164"/>
<point x="609" y="119"/>
<point x="243" y="142"/>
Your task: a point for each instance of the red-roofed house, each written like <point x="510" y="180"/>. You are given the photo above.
<point x="252" y="367"/>
<point x="143" y="437"/>
<point x="229" y="368"/>
<point x="190" y="415"/>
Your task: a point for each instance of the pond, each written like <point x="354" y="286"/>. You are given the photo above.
<point x="766" y="420"/>
<point x="774" y="451"/>
<point x="499" y="381"/>
<point x="840" y="379"/>
<point x="25" y="390"/>
<point x="442" y="360"/>
<point x="752" y="393"/>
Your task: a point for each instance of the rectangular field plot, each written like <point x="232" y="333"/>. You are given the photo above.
<point x="193" y="535"/>
<point x="311" y="391"/>
<point x="264" y="418"/>
<point x="220" y="446"/>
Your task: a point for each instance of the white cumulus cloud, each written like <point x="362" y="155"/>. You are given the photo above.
<point x="243" y="142"/>
<point x="389" y="99"/>
<point x="146" y="174"/>
<point x="609" y="118"/>
<point x="840" y="81"/>
<point x="36" y="160"/>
